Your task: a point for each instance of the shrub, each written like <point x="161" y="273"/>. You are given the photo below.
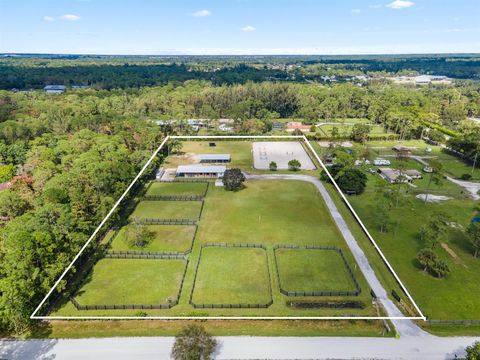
<point x="294" y="165"/>
<point x="273" y="166"/>
<point x="473" y="351"/>
<point x="466" y="177"/>
<point x="193" y="343"/>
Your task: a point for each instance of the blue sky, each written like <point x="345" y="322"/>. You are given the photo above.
<point x="239" y="26"/>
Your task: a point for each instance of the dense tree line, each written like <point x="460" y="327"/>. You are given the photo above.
<point x="69" y="182"/>
<point x="108" y="72"/>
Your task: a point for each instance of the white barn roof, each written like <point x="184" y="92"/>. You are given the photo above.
<point x="212" y="157"/>
<point x="200" y="169"/>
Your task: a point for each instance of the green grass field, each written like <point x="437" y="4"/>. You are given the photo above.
<point x="268" y="212"/>
<point x="167" y="238"/>
<point x="167" y="210"/>
<point x="313" y="270"/>
<point x="132" y="281"/>
<point x="176" y="188"/>
<point x="232" y="276"/>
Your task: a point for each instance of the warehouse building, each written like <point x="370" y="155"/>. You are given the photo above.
<point x="214" y="158"/>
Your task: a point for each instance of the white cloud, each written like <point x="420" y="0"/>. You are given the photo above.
<point x="48" y="18"/>
<point x="356" y="11"/>
<point x="70" y="17"/>
<point x="248" y="28"/>
<point x="202" y="13"/>
<point x="400" y="4"/>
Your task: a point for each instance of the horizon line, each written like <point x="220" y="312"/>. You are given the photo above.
<point x="6" y="54"/>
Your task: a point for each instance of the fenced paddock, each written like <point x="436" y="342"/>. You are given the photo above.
<point x="130" y="283"/>
<point x="166" y="239"/>
<point x="177" y="188"/>
<point x="281" y="152"/>
<point x="167" y="210"/>
<point x="231" y="276"/>
<point x="314" y="271"/>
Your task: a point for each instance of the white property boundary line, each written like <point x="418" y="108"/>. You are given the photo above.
<point x="303" y="137"/>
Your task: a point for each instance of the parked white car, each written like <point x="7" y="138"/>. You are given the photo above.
<point x="381" y="162"/>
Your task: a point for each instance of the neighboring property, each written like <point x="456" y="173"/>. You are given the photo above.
<point x="294" y="125"/>
<point x="422" y="80"/>
<point x="214" y="158"/>
<point x="394" y="175"/>
<point x="200" y="171"/>
<point x="55" y="89"/>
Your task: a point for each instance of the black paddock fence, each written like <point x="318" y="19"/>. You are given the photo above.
<point x="168" y="305"/>
<point x="113" y="254"/>
<point x="224" y="305"/>
<point x="172" y="198"/>
<point x="357" y="291"/>
<point x="150" y="221"/>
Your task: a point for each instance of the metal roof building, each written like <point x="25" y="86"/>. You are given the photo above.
<point x="214" y="158"/>
<point x="54" y="89"/>
<point x="192" y="171"/>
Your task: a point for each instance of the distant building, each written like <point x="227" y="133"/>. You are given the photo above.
<point x="214" y="158"/>
<point x="394" y="175"/>
<point x="80" y="87"/>
<point x="401" y="148"/>
<point x="200" y="171"/>
<point x="421" y="79"/>
<point x="55" y="89"/>
<point x="294" y="125"/>
<point x="277" y="126"/>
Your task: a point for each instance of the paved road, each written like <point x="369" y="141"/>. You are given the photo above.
<point x="238" y="347"/>
<point x="403" y="327"/>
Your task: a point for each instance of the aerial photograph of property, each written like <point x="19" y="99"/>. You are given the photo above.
<point x="239" y="179"/>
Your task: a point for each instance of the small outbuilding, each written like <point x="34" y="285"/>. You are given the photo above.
<point x="402" y="149"/>
<point x="200" y="171"/>
<point x="214" y="158"/>
<point x="55" y="89"/>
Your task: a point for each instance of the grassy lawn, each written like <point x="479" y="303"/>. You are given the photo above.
<point x="240" y="151"/>
<point x="167" y="238"/>
<point x="232" y="276"/>
<point x="176" y="188"/>
<point x="454" y="297"/>
<point x="131" y="281"/>
<point x="167" y="210"/>
<point x="122" y="328"/>
<point x="313" y="270"/>
<point x="268" y="212"/>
